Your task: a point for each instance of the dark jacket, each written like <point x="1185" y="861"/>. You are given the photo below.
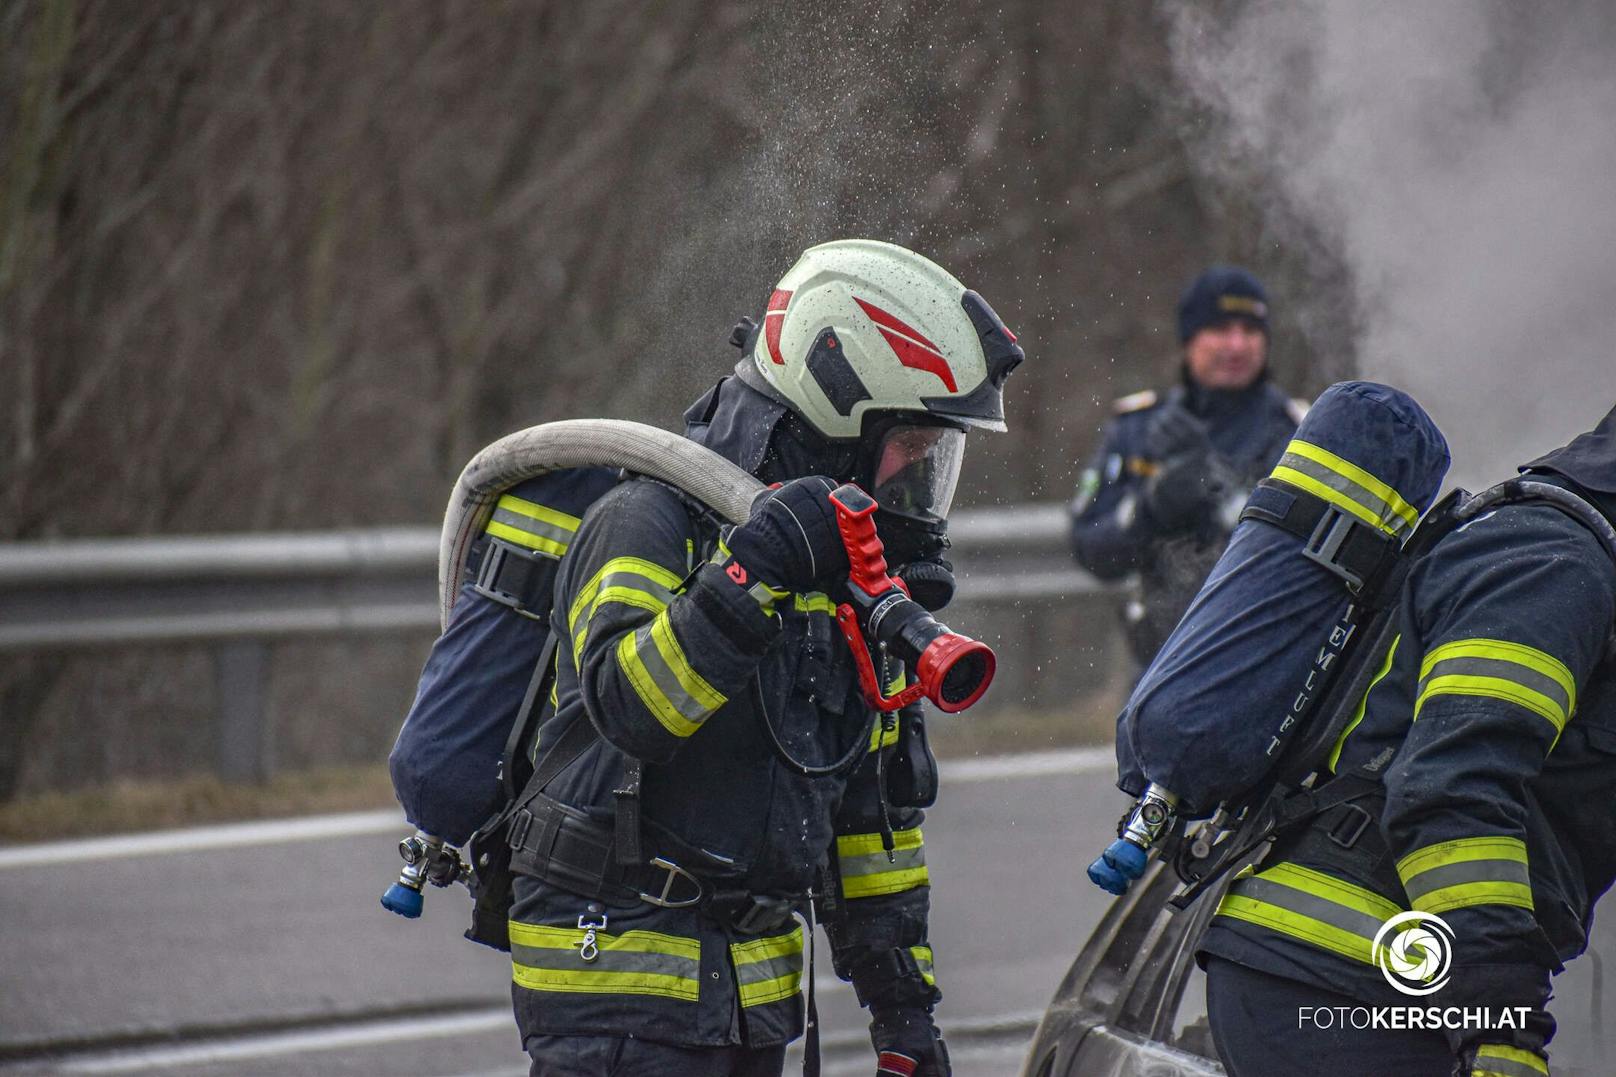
<point x="1112" y="537"/>
<point x="680" y="668"/>
<point x="1499" y="701"/>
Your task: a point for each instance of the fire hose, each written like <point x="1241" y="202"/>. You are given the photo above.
<point x="950" y="669"/>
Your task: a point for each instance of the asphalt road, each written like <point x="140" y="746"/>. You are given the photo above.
<point x="262" y="950"/>
<point x="265" y="952"/>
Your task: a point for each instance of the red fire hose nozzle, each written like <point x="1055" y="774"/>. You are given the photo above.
<point x="951" y="670"/>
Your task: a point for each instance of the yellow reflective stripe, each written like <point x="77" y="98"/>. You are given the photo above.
<point x="543" y="937"/>
<point x="1505" y="651"/>
<point x="1276" y="918"/>
<point x="602" y="982"/>
<point x="1389" y="498"/>
<point x="635" y="962"/>
<point x="762" y="593"/>
<point x="1363" y="704"/>
<point x="666" y="697"/>
<point x="629" y="581"/>
<point x="527" y="539"/>
<point x="886" y="882"/>
<point x="928" y="971"/>
<point x="1309" y="905"/>
<point x="1459" y="851"/>
<point x="867" y="871"/>
<point x="813" y="602"/>
<point x="1331" y="888"/>
<point x="880" y="735"/>
<point x="1502" y="1060"/>
<point x="1493" y="688"/>
<point x="1500" y="669"/>
<point x="1467" y="871"/>
<point x="768" y="969"/>
<point x="628" y="659"/>
<point x="534" y="526"/>
<point x="695" y="685"/>
<point x="650" y="571"/>
<point x="544" y="513"/>
<point x="867" y="844"/>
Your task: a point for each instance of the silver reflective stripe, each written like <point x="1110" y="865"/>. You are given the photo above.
<point x="609" y="961"/>
<point x="1328" y="912"/>
<point x="666" y="680"/>
<point x="528" y="524"/>
<point x="1466" y="871"/>
<point x="1491" y="1059"/>
<point x="769" y="968"/>
<point x="1347" y="488"/>
<point x="878" y="864"/>
<point x="1504" y="670"/>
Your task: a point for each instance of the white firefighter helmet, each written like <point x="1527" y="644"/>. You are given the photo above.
<point x="859" y="327"/>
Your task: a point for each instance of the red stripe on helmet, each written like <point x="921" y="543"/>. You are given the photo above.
<point x="773" y="318"/>
<point x="913" y="355"/>
<point x="882" y="318"/>
<point x="909" y="344"/>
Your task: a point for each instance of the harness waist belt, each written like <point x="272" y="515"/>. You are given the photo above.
<point x="564" y="847"/>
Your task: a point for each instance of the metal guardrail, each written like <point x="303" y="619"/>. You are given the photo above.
<point x="238" y="593"/>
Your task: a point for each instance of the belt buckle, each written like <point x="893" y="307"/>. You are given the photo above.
<point x="675" y="872"/>
<point x="1346" y="831"/>
<point x="764" y="914"/>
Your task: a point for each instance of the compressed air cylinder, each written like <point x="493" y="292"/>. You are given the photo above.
<point x="1204" y="717"/>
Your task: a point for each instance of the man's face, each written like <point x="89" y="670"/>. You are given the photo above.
<point x="1226" y="355"/>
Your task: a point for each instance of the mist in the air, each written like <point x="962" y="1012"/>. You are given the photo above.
<point x="1459" y="157"/>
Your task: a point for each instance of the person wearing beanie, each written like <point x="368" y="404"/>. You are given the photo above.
<point x="1161" y="496"/>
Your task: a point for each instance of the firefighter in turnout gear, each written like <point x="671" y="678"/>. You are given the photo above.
<point x="1490" y="731"/>
<point x="724" y="773"/>
<point x="1163" y="493"/>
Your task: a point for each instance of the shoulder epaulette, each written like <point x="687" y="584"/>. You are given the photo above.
<point x="1145" y="398"/>
<point x="1297" y="409"/>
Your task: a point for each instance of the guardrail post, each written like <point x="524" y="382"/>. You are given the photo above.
<point x="246" y="748"/>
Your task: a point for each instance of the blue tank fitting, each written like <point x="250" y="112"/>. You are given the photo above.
<point x="1117" y="868"/>
<point x="402" y="900"/>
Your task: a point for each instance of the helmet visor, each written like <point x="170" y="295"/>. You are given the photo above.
<point x="917" y="469"/>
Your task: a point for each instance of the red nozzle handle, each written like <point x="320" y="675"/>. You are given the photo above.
<point x="848" y="620"/>
<point x="866" y="558"/>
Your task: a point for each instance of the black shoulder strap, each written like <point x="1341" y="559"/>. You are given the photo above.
<point x="1365" y="558"/>
<point x="526" y="715"/>
<point x="579" y="736"/>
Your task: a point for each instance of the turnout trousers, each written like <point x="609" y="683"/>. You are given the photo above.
<point x="1259" y="1031"/>
<point x="623" y="1056"/>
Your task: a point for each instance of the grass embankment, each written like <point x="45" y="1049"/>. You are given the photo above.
<point x="130" y="806"/>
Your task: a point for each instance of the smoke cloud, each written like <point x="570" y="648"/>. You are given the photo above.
<point x="1459" y="157"/>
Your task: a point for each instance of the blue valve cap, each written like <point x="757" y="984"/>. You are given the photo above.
<point x="1108" y="878"/>
<point x="1126" y="857"/>
<point x="402" y="900"/>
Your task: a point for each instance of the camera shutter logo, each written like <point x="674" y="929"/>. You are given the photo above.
<point x="1414" y="951"/>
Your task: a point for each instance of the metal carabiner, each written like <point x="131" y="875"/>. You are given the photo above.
<point x="589" y="949"/>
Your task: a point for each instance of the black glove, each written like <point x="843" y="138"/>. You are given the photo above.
<point x="1180" y="493"/>
<point x="791" y="540"/>
<point x="1173" y="431"/>
<point x="1189" y="478"/>
<point x="930" y="583"/>
<point x="908" y="1037"/>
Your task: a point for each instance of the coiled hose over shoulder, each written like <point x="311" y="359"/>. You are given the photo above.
<point x="514" y="458"/>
